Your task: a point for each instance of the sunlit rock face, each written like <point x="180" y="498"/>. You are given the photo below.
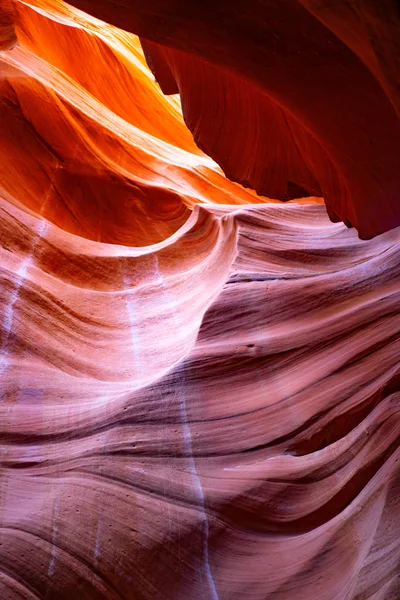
<point x="199" y="384"/>
<point x="285" y="94"/>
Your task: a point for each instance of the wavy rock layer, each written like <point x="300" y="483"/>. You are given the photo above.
<point x="285" y="94"/>
<point x="199" y="387"/>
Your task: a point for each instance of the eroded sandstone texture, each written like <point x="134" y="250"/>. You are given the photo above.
<point x="199" y="384"/>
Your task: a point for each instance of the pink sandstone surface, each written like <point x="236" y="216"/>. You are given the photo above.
<point x="199" y="382"/>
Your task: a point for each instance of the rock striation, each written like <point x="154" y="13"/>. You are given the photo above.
<point x="199" y="383"/>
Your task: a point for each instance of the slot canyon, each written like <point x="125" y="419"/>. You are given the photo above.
<point x="200" y="300"/>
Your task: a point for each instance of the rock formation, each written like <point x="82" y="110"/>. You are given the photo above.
<point x="199" y="382"/>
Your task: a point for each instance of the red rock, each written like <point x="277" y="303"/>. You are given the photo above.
<point x="7" y="33"/>
<point x="335" y="78"/>
<point x="199" y="385"/>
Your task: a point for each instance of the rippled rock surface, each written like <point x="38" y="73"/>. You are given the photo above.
<point x="199" y="385"/>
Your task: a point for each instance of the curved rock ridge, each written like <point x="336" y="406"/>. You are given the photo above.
<point x="199" y="386"/>
<point x="216" y="416"/>
<point x="287" y="95"/>
<point x="117" y="136"/>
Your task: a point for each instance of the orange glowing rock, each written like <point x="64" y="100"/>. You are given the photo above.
<point x="323" y="85"/>
<point x="7" y="33"/>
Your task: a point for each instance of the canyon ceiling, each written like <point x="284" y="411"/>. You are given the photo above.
<point x="199" y="300"/>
